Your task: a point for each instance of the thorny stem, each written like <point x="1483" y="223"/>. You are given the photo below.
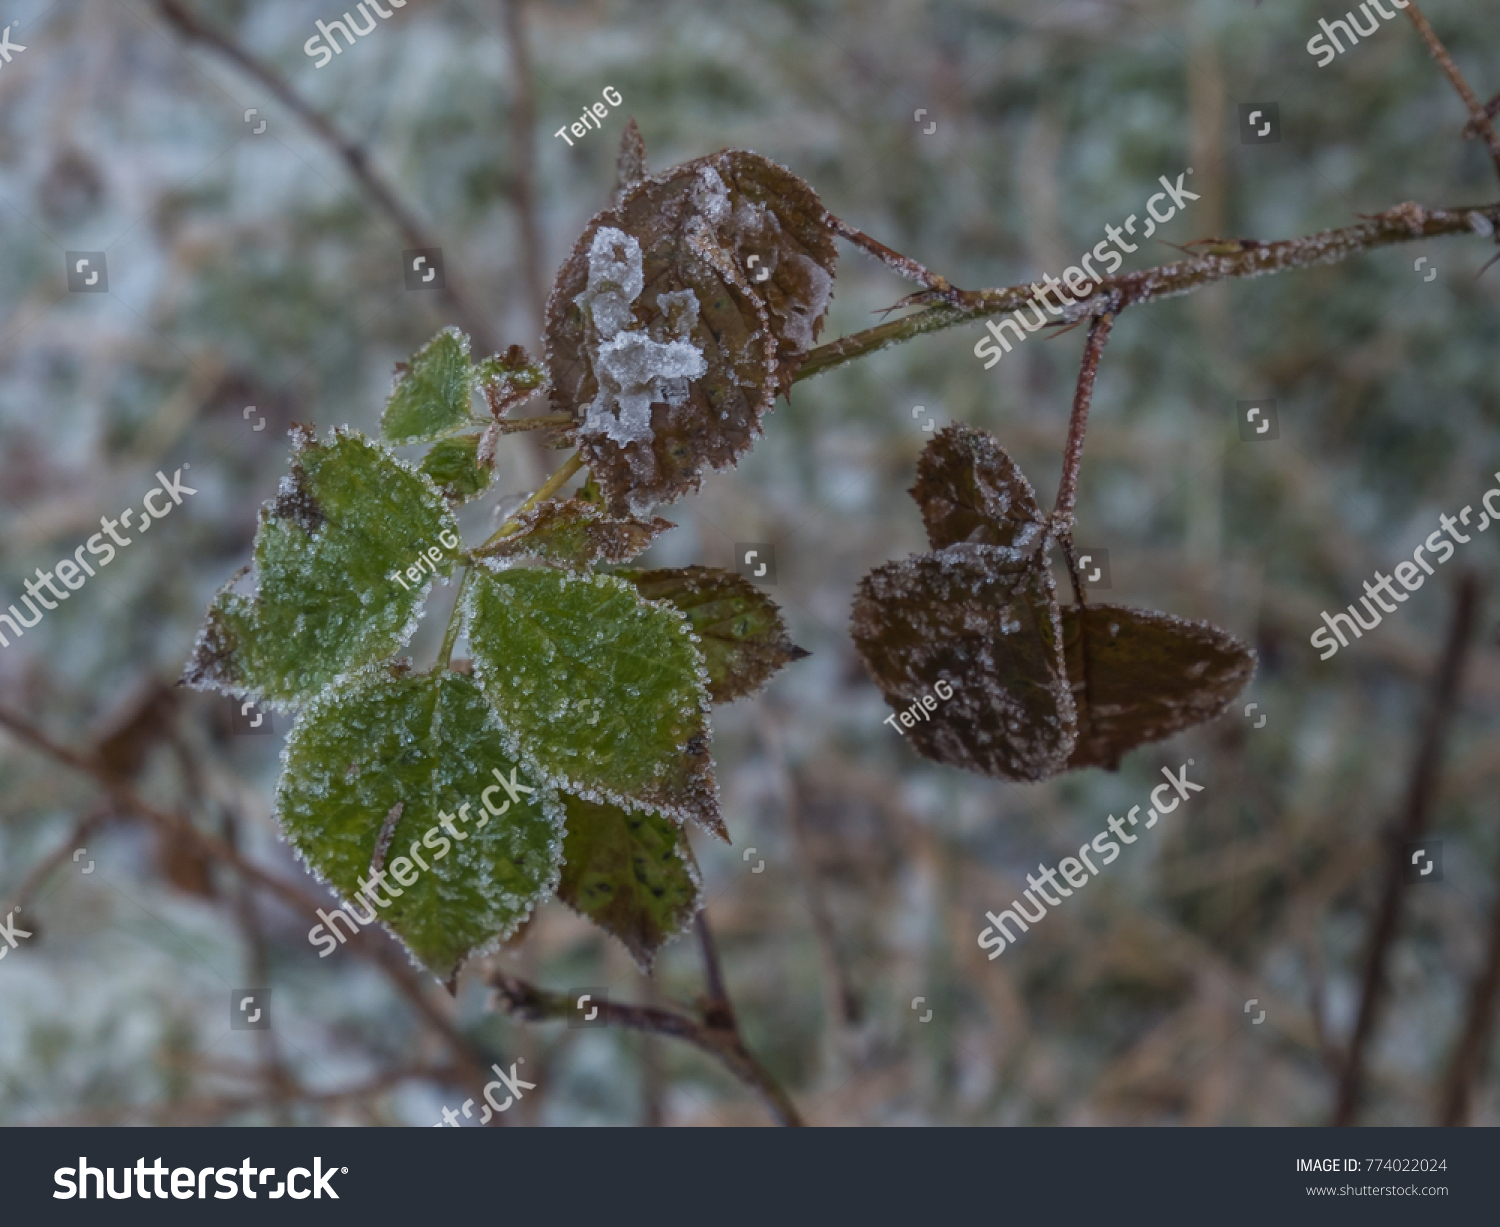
<point x="1481" y="119"/>
<point x="1402" y="224"/>
<point x="529" y="1003"/>
<point x="1420" y="794"/>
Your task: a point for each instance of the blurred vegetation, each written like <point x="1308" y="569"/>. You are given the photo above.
<point x="252" y="270"/>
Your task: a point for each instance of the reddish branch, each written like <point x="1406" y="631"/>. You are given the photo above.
<point x="1420" y="793"/>
<point x="716" y="1032"/>
<point x="1468" y="1057"/>
<point x="1479" y="122"/>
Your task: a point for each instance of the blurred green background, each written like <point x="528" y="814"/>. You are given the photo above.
<point x="254" y="270"/>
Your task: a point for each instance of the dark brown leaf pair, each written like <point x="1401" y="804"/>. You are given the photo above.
<point x="1037" y="689"/>
<point x="680" y="313"/>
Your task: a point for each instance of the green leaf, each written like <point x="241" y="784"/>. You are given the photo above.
<point x="453" y="464"/>
<point x="431" y="393"/>
<point x="605" y="690"/>
<point x="970" y="490"/>
<point x="631" y="873"/>
<point x="973" y="619"/>
<point x="678" y="316"/>
<point x="431" y="744"/>
<point x="574" y="534"/>
<point x="740" y="631"/>
<point x="346" y="520"/>
<point x="1140" y="676"/>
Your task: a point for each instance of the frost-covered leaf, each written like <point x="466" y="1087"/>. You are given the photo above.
<point x="740" y="631"/>
<point x="631" y="873"/>
<point x="1140" y="676"/>
<point x="630" y="166"/>
<point x="605" y="691"/>
<point x="347" y="519"/>
<point x="430" y="744"/>
<point x="510" y="381"/>
<point x="574" y="534"/>
<point x="970" y="490"/>
<point x="679" y="314"/>
<point x="431" y="394"/>
<point x="454" y="466"/>
<point x="970" y="617"/>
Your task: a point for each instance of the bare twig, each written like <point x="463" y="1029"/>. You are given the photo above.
<point x="1419" y="797"/>
<point x="1479" y="120"/>
<point x="354" y="156"/>
<point x="371" y="944"/>
<point x="529" y="1003"/>
<point x="1468" y="1057"/>
<point x="523" y="138"/>
<point x="1088" y="371"/>
<point x="1402" y="224"/>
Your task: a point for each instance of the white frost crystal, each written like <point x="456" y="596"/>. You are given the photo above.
<point x="635" y="367"/>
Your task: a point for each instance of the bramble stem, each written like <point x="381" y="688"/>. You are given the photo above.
<point x="1403" y="224"/>
<point x="1067" y="491"/>
<point x="1480" y="116"/>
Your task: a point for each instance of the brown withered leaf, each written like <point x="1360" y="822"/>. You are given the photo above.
<point x="970" y="490"/>
<point x="679" y="314"/>
<point x="575" y="534"/>
<point x="1139" y="675"/>
<point x="989" y="627"/>
<point x="741" y="635"/>
<point x="630" y="168"/>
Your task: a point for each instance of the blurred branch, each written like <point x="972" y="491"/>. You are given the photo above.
<point x="372" y="945"/>
<point x="48" y="865"/>
<point x="1468" y="1057"/>
<point x="1480" y="117"/>
<point x="1403" y="224"/>
<point x="1420" y="793"/>
<point x="523" y="138"/>
<point x="532" y="1004"/>
<point x="354" y="156"/>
